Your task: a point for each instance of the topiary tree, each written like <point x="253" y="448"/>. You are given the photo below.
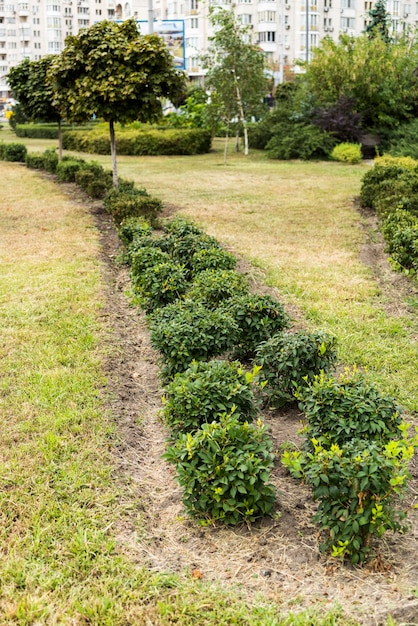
<point x="29" y="85"/>
<point x="111" y="71"/>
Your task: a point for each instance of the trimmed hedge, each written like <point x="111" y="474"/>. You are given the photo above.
<point x="15" y="152"/>
<point x="184" y="141"/>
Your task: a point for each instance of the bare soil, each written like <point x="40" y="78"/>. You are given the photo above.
<point x="279" y="556"/>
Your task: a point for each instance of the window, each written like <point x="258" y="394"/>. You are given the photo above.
<point x="53" y="22"/>
<point x="348" y="4"/>
<point x="267" y="37"/>
<point x="267" y="16"/>
<point x="245" y="18"/>
<point x="348" y="23"/>
<point x="194" y="22"/>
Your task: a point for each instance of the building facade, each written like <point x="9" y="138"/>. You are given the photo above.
<point x="287" y="30"/>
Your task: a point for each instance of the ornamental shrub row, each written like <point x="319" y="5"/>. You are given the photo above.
<point x="150" y="142"/>
<point x="15" y="152"/>
<point x="355" y="458"/>
<point x="391" y="189"/>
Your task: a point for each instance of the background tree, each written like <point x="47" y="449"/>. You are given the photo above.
<point x="30" y="87"/>
<point x="379" y="78"/>
<point x="379" y="21"/>
<point x="235" y="74"/>
<point x="112" y="72"/>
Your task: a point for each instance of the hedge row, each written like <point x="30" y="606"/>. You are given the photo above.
<point x="40" y="131"/>
<point x="200" y="319"/>
<point x="391" y="189"/>
<point x="141" y="143"/>
<point x="13" y="152"/>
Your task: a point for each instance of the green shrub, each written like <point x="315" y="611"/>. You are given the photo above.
<point x="39" y="131"/>
<point x="190" y="332"/>
<point x="402" y="141"/>
<point x="94" y="179"/>
<point x="258" y="318"/>
<point x="132" y="228"/>
<point x="401" y="192"/>
<point x="205" y="391"/>
<point x="150" y="141"/>
<point x="161" y="284"/>
<point x="350" y="407"/>
<point x="211" y="287"/>
<point x="400" y="230"/>
<point x="373" y="179"/>
<point x="290" y="360"/>
<point x="143" y="258"/>
<point x="214" y="258"/>
<point x="14" y="152"/>
<point x="133" y="203"/>
<point x="35" y="161"/>
<point x="66" y="170"/>
<point x="179" y="226"/>
<point x="224" y="469"/>
<point x="358" y="487"/>
<point x="51" y="160"/>
<point x="347" y="153"/>
<point x="300" y="141"/>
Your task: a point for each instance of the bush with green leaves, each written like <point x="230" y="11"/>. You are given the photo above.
<point x="371" y="184"/>
<point x="224" y="469"/>
<point x="94" y="179"/>
<point x="132" y="228"/>
<point x="179" y="226"/>
<point x="35" y="160"/>
<point x="14" y="152"/>
<point x="400" y="230"/>
<point x="402" y="141"/>
<point x="300" y="141"/>
<point x="290" y="360"/>
<point x="348" y="407"/>
<point x="161" y="284"/>
<point x="211" y="259"/>
<point x="51" y="160"/>
<point x="189" y="331"/>
<point x="205" y="391"/>
<point x="132" y="203"/>
<point x="357" y="486"/>
<point x="347" y="153"/>
<point x="143" y="258"/>
<point x="66" y="170"/>
<point x="211" y="287"/>
<point x="258" y="317"/>
<point x="185" y="246"/>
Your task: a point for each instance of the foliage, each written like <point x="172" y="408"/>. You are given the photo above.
<point x="145" y="257"/>
<point x="210" y="287"/>
<point x="401" y="141"/>
<point x="191" y="332"/>
<point x="357" y="486"/>
<point x="380" y="21"/>
<point x="50" y="159"/>
<point x="299" y="141"/>
<point x="371" y="184"/>
<point x="179" y="226"/>
<point x="35" y="160"/>
<point x="235" y="70"/>
<point x="132" y="228"/>
<point x="379" y="78"/>
<point x="347" y="153"/>
<point x="292" y="360"/>
<point x="94" y="179"/>
<point x="346" y="408"/>
<point x="29" y="85"/>
<point x="161" y="284"/>
<point x="258" y="318"/>
<point x="224" y="469"/>
<point x="214" y="258"/>
<point x="205" y="391"/>
<point x="149" y="142"/>
<point x="132" y="203"/>
<point x="340" y="119"/>
<point x="37" y="131"/>
<point x="111" y="71"/>
<point x="183" y="247"/>
<point x="400" y="230"/>
<point x="15" y="152"/>
<point x="66" y="170"/>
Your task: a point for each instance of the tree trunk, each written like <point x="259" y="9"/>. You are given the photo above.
<point x="237" y="138"/>
<point x="242" y="117"/>
<point x="60" y="140"/>
<point x="226" y="144"/>
<point x="113" y="153"/>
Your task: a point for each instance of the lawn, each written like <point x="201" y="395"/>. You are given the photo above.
<point x="60" y="497"/>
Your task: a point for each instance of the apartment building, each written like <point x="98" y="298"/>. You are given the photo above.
<point x="35" y="28"/>
<point x="287" y="30"/>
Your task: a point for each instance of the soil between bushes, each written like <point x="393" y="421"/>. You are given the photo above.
<point x="277" y="557"/>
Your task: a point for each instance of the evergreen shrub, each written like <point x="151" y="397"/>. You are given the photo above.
<point x="347" y="153"/>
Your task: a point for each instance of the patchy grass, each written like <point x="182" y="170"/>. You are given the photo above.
<point x="60" y="496"/>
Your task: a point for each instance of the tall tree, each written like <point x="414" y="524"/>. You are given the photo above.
<point x="235" y="71"/>
<point x="379" y="21"/>
<point x="379" y="78"/>
<point x="30" y="87"/>
<point x="112" y="72"/>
